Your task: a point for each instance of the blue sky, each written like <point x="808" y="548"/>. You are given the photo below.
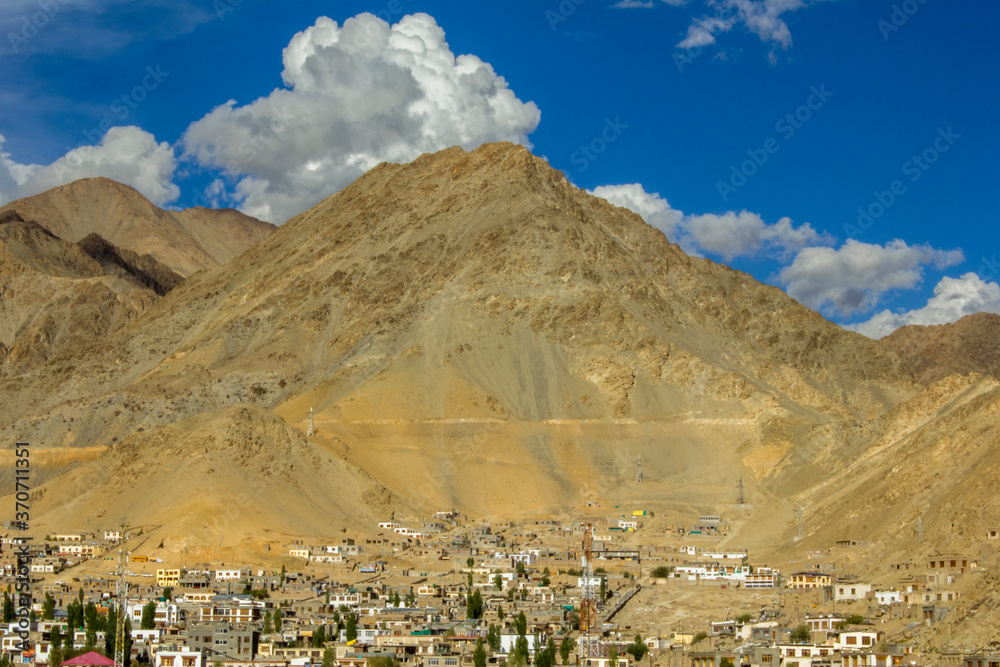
<point x="749" y="131"/>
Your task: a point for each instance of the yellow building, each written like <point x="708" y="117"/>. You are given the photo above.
<point x="167" y="577"/>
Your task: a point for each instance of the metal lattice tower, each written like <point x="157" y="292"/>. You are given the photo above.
<point x="122" y="596"/>
<point x="309" y="431"/>
<point x="638" y="472"/>
<point x="920" y="528"/>
<point x="741" y="496"/>
<point x="588" y="605"/>
<point x="799" y="512"/>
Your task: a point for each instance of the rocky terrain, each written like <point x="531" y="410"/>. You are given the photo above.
<point x="970" y="345"/>
<point x="184" y="241"/>
<point x="473" y="332"/>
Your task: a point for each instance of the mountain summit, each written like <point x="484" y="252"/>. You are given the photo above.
<point x="473" y="331"/>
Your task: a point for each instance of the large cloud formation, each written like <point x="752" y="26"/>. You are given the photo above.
<point x="356" y="95"/>
<point x="853" y="278"/>
<point x="129" y="155"/>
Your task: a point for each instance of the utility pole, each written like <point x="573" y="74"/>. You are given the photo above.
<point x="310" y="431"/>
<point x="638" y="473"/>
<point x="741" y="496"/>
<point x="799" y="512"/>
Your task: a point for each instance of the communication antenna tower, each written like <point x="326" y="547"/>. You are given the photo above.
<point x="122" y="596"/>
<point x="741" y="496"/>
<point x="588" y="605"/>
<point x="799" y="512"/>
<point x="638" y="471"/>
<point x="309" y="431"/>
<point x="920" y="528"/>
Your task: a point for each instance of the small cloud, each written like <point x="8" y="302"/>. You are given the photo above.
<point x="633" y="4"/>
<point x="953" y="299"/>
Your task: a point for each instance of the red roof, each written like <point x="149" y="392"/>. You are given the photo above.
<point x="90" y="659"/>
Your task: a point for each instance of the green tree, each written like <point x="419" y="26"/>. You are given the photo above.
<point x="128" y="641"/>
<point x="521" y="649"/>
<point x="352" y="627"/>
<point x="662" y="571"/>
<point x="493" y="638"/>
<point x="565" y="648"/>
<point x="319" y="637"/>
<point x="500" y="612"/>
<point x="395" y="599"/>
<point x="55" y="637"/>
<point x="637" y="649"/>
<point x="90" y="640"/>
<point x="381" y="661"/>
<point x="604" y="589"/>
<point x="277" y="620"/>
<point x="726" y="662"/>
<point x="267" y="629"/>
<point x="110" y="629"/>
<point x="168" y="593"/>
<point x="479" y="656"/>
<point x="800" y="634"/>
<point x="698" y="637"/>
<point x="48" y="608"/>
<point x="853" y="619"/>
<point x="8" y="608"/>
<point x="613" y="656"/>
<point x="521" y="624"/>
<point x="90" y="616"/>
<point x="470" y="561"/>
<point x="547" y="656"/>
<point x="498" y="582"/>
<point x="148" y="621"/>
<point x="329" y="658"/>
<point x="281" y="579"/>
<point x="474" y="605"/>
<point x="520" y="568"/>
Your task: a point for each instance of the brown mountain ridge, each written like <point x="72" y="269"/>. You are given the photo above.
<point x="970" y="345"/>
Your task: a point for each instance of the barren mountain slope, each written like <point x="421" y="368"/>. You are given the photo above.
<point x="970" y="345"/>
<point x="186" y="241"/>
<point x="53" y="296"/>
<point x="474" y="331"/>
<point x="237" y="471"/>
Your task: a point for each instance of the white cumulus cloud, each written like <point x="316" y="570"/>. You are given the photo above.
<point x="653" y="208"/>
<point x="729" y="235"/>
<point x="953" y="299"/>
<point x="732" y="235"/>
<point x="854" y="277"/>
<point x="129" y="155"/>
<point x="356" y="95"/>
